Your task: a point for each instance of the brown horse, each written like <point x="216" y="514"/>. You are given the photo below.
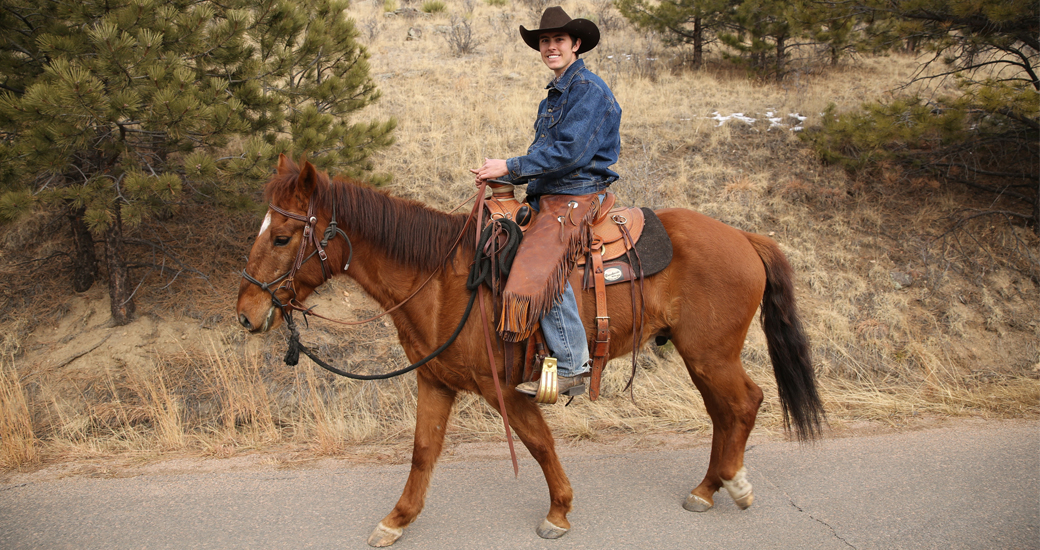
<point x="704" y="302"/>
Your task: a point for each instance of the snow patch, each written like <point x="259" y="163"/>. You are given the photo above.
<point x="793" y="121"/>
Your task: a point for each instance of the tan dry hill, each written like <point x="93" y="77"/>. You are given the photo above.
<point x="904" y="325"/>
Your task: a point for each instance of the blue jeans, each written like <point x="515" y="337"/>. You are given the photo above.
<point x="565" y="335"/>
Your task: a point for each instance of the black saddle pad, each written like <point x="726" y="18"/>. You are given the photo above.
<point x="653" y="253"/>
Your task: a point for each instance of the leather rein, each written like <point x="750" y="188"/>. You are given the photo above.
<point x="287" y="283"/>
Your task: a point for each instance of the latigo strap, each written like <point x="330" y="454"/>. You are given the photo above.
<point x="601" y="348"/>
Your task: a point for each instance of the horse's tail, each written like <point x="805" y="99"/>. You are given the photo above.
<point x="787" y="343"/>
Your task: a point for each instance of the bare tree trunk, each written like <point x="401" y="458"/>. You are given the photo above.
<point x="84" y="260"/>
<point x="781" y="52"/>
<point x="1036" y="212"/>
<point x="911" y="44"/>
<point x="119" y="288"/>
<point x="698" y="43"/>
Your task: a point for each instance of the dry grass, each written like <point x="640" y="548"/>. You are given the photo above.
<point x="960" y="339"/>
<point x="19" y="442"/>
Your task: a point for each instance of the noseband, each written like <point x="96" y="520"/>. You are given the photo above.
<point x="309" y="234"/>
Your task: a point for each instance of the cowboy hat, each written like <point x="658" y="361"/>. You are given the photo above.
<point x="555" y="19"/>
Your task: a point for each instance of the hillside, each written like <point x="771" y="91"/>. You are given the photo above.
<point x="907" y="319"/>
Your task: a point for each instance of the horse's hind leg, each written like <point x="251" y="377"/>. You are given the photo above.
<point x="431" y="418"/>
<point x="530" y="427"/>
<point x="732" y="400"/>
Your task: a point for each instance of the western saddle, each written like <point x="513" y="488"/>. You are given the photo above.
<point x="614" y="232"/>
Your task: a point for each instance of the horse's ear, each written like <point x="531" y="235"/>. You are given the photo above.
<point x="305" y="182"/>
<point x="285" y="165"/>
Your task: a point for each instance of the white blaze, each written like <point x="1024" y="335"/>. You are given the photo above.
<point x="266" y="224"/>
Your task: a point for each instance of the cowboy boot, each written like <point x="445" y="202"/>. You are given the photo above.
<point x="549" y="386"/>
<point x="565" y="385"/>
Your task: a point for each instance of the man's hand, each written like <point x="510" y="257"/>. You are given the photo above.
<point x="492" y="168"/>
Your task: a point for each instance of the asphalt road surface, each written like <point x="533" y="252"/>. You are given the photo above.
<point x="967" y="486"/>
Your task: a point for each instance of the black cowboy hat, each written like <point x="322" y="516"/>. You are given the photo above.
<point x="555" y="19"/>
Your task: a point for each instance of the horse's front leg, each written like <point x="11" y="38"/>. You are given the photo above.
<point x="526" y="419"/>
<point x="431" y="419"/>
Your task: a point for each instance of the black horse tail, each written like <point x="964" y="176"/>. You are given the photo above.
<point x="787" y="343"/>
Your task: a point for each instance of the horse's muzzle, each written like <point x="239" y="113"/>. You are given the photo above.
<point x="269" y="322"/>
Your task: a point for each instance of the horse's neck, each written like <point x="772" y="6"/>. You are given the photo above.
<point x="380" y="264"/>
<point x="415" y="296"/>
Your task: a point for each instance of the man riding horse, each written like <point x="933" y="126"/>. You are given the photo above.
<point x="576" y="141"/>
<point x="703" y="301"/>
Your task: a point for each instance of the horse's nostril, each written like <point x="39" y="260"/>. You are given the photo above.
<point x="245" y="321"/>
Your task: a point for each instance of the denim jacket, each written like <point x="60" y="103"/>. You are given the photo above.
<point x="576" y="138"/>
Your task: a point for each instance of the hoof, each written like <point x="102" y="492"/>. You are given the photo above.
<point x="695" y="503"/>
<point x="384" y="536"/>
<point x="549" y="531"/>
<point x="740" y="489"/>
<point x="745" y="502"/>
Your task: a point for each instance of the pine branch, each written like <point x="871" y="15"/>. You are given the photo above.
<point x="1000" y="191"/>
<point x="1032" y="123"/>
<point x="986" y="172"/>
<point x="38" y="260"/>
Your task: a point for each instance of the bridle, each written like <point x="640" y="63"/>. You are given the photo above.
<point x="309" y="234"/>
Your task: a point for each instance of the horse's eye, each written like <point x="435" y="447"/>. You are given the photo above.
<point x="281" y="241"/>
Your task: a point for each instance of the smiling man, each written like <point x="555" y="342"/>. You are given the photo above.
<point x="576" y="141"/>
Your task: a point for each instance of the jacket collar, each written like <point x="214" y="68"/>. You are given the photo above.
<point x="564" y="81"/>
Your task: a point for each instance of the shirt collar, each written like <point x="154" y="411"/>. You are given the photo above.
<point x="564" y="80"/>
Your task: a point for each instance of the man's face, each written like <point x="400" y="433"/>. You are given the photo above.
<point x="558" y="50"/>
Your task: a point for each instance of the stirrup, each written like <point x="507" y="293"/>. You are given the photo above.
<point x="548" y="385"/>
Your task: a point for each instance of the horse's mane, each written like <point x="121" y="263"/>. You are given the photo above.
<point x="408" y="231"/>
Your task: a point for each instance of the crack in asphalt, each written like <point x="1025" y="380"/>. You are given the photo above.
<point x="817" y="520"/>
<point x="794" y="505"/>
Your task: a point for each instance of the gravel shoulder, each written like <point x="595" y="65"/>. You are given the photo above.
<point x="456" y="450"/>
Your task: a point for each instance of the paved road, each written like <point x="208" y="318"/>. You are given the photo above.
<point x="966" y="487"/>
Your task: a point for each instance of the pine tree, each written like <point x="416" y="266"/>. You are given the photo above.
<point x="759" y="34"/>
<point x="987" y="135"/>
<point x="693" y="22"/>
<point x="116" y="110"/>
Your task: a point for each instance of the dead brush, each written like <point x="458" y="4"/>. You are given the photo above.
<point x="461" y="40"/>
